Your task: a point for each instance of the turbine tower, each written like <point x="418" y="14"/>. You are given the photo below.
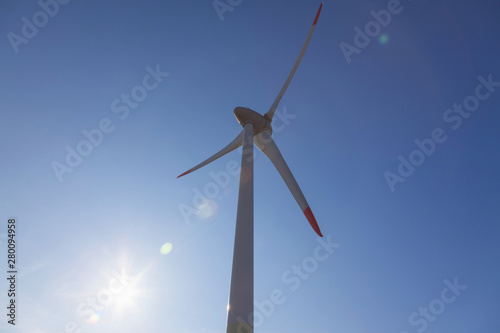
<point x="256" y="129"/>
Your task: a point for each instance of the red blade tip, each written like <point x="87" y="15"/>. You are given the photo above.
<point x="185" y="173"/>
<point x="312" y="220"/>
<point x="317" y="15"/>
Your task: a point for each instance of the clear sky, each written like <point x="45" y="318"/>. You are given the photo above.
<point x="110" y="241"/>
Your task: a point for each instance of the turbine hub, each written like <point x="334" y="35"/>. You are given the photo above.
<point x="246" y="115"/>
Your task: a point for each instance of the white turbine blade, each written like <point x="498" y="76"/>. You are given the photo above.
<point x="269" y="115"/>
<point x="227" y="149"/>
<point x="267" y="145"/>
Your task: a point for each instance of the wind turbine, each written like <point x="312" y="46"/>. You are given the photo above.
<point x="258" y="129"/>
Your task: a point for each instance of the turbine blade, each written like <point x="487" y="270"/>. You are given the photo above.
<point x="227" y="149"/>
<point x="267" y="145"/>
<point x="269" y="114"/>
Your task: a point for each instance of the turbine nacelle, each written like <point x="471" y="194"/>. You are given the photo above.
<point x="259" y="122"/>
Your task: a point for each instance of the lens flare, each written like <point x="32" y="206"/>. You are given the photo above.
<point x="95" y="317"/>
<point x="207" y="208"/>
<point x="166" y="248"/>
<point x="383" y="39"/>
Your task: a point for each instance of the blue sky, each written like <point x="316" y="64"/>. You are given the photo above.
<point x="418" y="255"/>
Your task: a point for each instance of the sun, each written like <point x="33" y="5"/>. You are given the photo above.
<point x="127" y="301"/>
<point x="123" y="295"/>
